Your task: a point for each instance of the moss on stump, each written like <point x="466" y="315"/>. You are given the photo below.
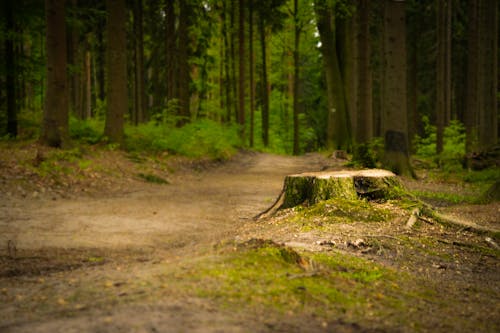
<point x="313" y="187"/>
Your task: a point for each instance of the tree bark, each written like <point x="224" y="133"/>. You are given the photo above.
<point x="264" y="85"/>
<point x="296" y="78"/>
<point x="139" y="91"/>
<point x="241" y="63"/>
<point x="312" y="187"/>
<point x="10" y="72"/>
<point x="184" y="69"/>
<point x="117" y="70"/>
<point x="443" y="70"/>
<point x="251" y="66"/>
<point x="338" y="127"/>
<point x="364" y="123"/>
<point x="394" y="100"/>
<point x="55" y="113"/>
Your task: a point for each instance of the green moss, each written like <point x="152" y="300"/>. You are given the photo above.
<point x="341" y="211"/>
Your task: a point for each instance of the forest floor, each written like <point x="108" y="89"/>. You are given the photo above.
<point x="99" y="240"/>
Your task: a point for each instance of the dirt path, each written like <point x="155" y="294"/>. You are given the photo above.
<point x="168" y="223"/>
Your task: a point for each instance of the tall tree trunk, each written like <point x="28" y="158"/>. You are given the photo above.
<point x="488" y="75"/>
<point x="241" y="62"/>
<point x="171" y="51"/>
<point x="443" y="70"/>
<point x="251" y="66"/>
<point x="184" y="70"/>
<point x="10" y="78"/>
<point x="227" y="59"/>
<point x="296" y="71"/>
<point x="55" y="113"/>
<point x="264" y="85"/>
<point x="117" y="70"/>
<point x="338" y="129"/>
<point x="88" y="85"/>
<point x="364" y="114"/>
<point x="139" y="91"/>
<point x="232" y="42"/>
<point x="394" y="112"/>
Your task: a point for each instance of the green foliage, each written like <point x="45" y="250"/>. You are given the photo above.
<point x="202" y="138"/>
<point x="368" y="155"/>
<point x="87" y="131"/>
<point x="453" y="147"/>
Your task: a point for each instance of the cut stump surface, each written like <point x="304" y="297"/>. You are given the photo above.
<point x="313" y="187"/>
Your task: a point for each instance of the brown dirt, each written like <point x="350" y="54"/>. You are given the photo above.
<point x="102" y="229"/>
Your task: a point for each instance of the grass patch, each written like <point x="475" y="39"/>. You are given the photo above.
<point x="270" y="276"/>
<point x="450" y="198"/>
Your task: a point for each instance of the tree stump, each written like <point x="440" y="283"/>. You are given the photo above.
<point x="313" y="187"/>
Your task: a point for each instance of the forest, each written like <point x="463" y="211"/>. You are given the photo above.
<point x="281" y="76"/>
<point x="144" y="143"/>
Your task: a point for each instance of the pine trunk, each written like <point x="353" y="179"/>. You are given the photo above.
<point x="117" y="70"/>
<point x="55" y="113"/>
<point x="394" y="100"/>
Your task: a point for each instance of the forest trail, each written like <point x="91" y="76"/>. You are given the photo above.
<point x="133" y="231"/>
<point x="194" y="208"/>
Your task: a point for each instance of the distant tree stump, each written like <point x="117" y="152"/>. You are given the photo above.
<point x="313" y="187"/>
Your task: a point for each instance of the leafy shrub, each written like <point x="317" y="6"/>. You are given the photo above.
<point x="201" y="138"/>
<point x="87" y="131"/>
<point x="453" y="145"/>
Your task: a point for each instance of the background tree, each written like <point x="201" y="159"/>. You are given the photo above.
<point x="338" y="131"/>
<point x="394" y="111"/>
<point x="117" y="103"/>
<point x="55" y="113"/>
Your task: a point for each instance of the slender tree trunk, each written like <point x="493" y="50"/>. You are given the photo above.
<point x="140" y="92"/>
<point x="88" y="85"/>
<point x="171" y="51"/>
<point x="296" y="71"/>
<point x="232" y="42"/>
<point x="394" y="112"/>
<point x="364" y="122"/>
<point x="252" y="71"/>
<point x="227" y="59"/>
<point x="264" y="85"/>
<point x="472" y="78"/>
<point x="117" y="70"/>
<point x="443" y="70"/>
<point x="184" y="69"/>
<point x="10" y="72"/>
<point x="55" y="113"/>
<point x="241" y="63"/>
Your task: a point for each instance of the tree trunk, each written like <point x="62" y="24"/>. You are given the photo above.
<point x="443" y="70"/>
<point x="296" y="71"/>
<point x="241" y="62"/>
<point x="338" y="127"/>
<point x="117" y="70"/>
<point x="364" y="122"/>
<point x="10" y="78"/>
<point x="183" y="63"/>
<point x="55" y="113"/>
<point x="312" y="187"/>
<point x="394" y="112"/>
<point x="171" y="51"/>
<point x="264" y="85"/>
<point x="139" y="92"/>
<point x="251" y="66"/>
